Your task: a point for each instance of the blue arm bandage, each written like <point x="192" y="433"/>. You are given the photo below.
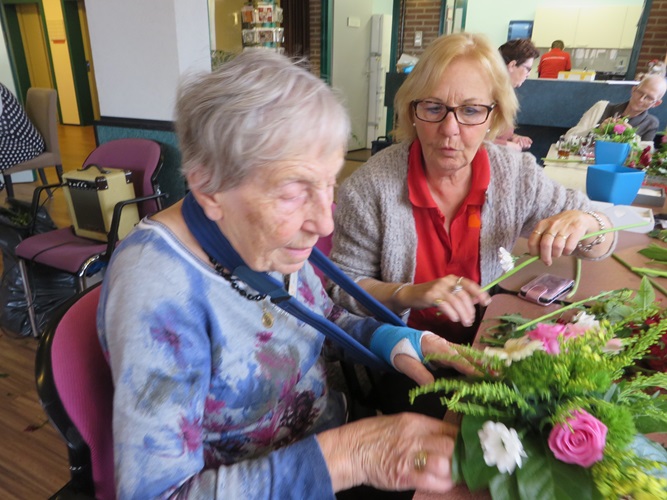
<point x="387" y="338"/>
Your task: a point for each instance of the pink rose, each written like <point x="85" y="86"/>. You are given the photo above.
<point x="548" y="335"/>
<point x="619" y="128"/>
<point x="580" y="440"/>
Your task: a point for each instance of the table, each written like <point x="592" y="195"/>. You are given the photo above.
<point x="570" y="172"/>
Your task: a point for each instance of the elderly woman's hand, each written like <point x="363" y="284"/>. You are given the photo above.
<point x="397" y="452"/>
<point x="560" y="234"/>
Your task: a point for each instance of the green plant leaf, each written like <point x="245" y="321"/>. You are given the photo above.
<point x="654" y="252"/>
<point x="543" y="476"/>
<point x="646" y="424"/>
<point x="645" y="297"/>
<point x="504" y="487"/>
<point x="645" y="448"/>
<point x="475" y="471"/>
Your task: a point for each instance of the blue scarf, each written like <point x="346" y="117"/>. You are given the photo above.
<point x="216" y="245"/>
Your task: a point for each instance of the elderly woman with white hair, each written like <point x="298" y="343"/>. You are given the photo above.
<point x="218" y="393"/>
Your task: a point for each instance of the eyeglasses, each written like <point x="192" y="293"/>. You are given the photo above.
<point x="468" y="114"/>
<point x="644" y="97"/>
<point x="527" y="68"/>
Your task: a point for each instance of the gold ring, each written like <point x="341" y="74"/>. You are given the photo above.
<point x="564" y="236"/>
<point x="420" y="460"/>
<point x="553" y="235"/>
<point x="537" y="232"/>
<point x="437" y="302"/>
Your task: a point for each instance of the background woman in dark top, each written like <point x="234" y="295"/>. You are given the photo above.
<point x="19" y="140"/>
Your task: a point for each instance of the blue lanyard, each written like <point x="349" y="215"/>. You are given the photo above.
<point x="215" y="244"/>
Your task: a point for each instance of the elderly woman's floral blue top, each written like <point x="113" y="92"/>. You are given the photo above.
<point x="209" y="403"/>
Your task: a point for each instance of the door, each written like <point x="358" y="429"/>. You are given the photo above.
<point x="83" y="72"/>
<point x="27" y="44"/>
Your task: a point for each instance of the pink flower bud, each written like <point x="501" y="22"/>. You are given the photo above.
<point x="619" y="128"/>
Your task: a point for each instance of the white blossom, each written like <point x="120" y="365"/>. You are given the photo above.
<point x="588" y="321"/>
<point x="515" y="349"/>
<point x="501" y="446"/>
<point x="506" y="260"/>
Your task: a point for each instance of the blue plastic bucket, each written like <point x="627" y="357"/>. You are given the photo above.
<point x="613" y="183"/>
<point x="613" y="153"/>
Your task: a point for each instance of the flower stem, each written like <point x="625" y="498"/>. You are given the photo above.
<point x="642" y="271"/>
<point x="613" y="230"/>
<point x="562" y="309"/>
<point x="577" y="279"/>
<point x="529" y="261"/>
<point x="509" y="273"/>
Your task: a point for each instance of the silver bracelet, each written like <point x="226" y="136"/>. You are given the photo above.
<point x="598" y="239"/>
<point x="395" y="292"/>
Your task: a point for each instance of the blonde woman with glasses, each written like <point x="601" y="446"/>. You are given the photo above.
<point x="420" y="224"/>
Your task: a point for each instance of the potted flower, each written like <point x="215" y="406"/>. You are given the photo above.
<point x="613" y="139"/>
<point x="654" y="164"/>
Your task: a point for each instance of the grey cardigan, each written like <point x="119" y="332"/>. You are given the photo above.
<point x="375" y="234"/>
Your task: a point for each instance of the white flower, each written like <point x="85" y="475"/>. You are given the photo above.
<point x="506" y="260"/>
<point x="502" y="446"/>
<point x="515" y="349"/>
<point x="588" y="321"/>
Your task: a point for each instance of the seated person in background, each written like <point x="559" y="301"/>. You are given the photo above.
<point x="420" y="224"/>
<point x="554" y="61"/>
<point x="519" y="56"/>
<point x="19" y="139"/>
<point x="218" y="393"/>
<point x="644" y="96"/>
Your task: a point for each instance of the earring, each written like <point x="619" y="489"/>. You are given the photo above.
<point x="414" y="124"/>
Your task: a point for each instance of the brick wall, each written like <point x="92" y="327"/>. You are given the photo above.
<point x="420" y="15"/>
<point x="654" y="45"/>
<point x="315" y="56"/>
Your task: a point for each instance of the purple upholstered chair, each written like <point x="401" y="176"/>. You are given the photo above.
<point x="62" y="249"/>
<point x="75" y="388"/>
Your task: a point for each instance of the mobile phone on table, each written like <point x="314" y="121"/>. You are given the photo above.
<point x="545" y="289"/>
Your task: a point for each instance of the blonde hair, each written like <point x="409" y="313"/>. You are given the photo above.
<point x="432" y="68"/>
<point x="257" y="109"/>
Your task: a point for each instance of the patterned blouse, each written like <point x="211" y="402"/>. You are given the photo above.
<point x="209" y="402"/>
<point x="19" y="139"/>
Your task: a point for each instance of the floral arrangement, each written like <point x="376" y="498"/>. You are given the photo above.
<point x="560" y="408"/>
<point x="616" y="130"/>
<point x="653" y="163"/>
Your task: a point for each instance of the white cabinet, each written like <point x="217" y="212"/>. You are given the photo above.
<point x="601" y="26"/>
<point x="630" y="26"/>
<point x="555" y="23"/>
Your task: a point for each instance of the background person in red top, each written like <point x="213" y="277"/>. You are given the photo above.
<point x="554" y="61"/>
